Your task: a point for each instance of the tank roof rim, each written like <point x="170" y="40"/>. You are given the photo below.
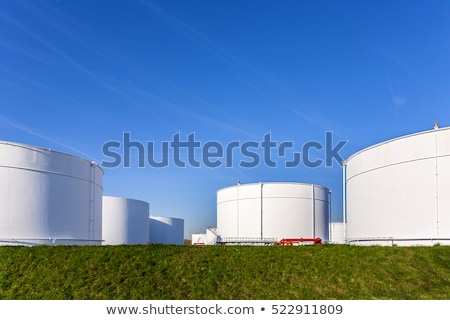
<point x="30" y="146"/>
<point x="274" y="182"/>
<point x="393" y="140"/>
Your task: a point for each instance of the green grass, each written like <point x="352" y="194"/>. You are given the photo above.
<point x="158" y="272"/>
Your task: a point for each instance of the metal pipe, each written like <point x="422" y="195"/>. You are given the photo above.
<point x="237" y="208"/>
<point x="344" y="198"/>
<point x="262" y="184"/>
<point x="436" y="181"/>
<point x="313" y="212"/>
<point x="329" y="215"/>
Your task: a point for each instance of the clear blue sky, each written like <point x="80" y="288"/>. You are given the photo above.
<point x="75" y="74"/>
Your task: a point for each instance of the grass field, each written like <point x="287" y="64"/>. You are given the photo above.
<point x="165" y="272"/>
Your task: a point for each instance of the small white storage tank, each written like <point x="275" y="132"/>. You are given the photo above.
<point x="273" y="210"/>
<point x="337" y="233"/>
<point x="166" y="230"/>
<point x="125" y="221"/>
<point x="208" y="238"/>
<point x="48" y="197"/>
<point x="397" y="192"/>
<point x="198" y="239"/>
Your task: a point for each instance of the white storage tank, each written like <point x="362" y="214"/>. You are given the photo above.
<point x="48" y="197"/>
<point x="125" y="221"/>
<point x="166" y="230"/>
<point x="397" y="192"/>
<point x="273" y="210"/>
<point x="198" y="239"/>
<point x="337" y="233"/>
<point x="208" y="238"/>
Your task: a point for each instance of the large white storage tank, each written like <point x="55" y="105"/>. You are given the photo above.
<point x="397" y="192"/>
<point x="48" y="197"/>
<point x="166" y="230"/>
<point x="273" y="210"/>
<point x="125" y="221"/>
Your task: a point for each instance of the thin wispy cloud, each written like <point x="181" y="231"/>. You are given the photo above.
<point x="125" y="89"/>
<point x="56" y="98"/>
<point x="38" y="134"/>
<point x="32" y="54"/>
<point x="398" y="100"/>
<point x="328" y="124"/>
<point x="59" y="53"/>
<point x="78" y="33"/>
<point x="385" y="54"/>
<point x="218" y="118"/>
<point x="212" y="46"/>
<point x="196" y="36"/>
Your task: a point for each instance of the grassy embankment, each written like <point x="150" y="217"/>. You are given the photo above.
<point x="157" y="272"/>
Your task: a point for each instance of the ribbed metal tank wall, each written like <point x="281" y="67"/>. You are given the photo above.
<point x="397" y="192"/>
<point x="125" y="221"/>
<point x="165" y="230"/>
<point x="48" y="197"/>
<point x="273" y="210"/>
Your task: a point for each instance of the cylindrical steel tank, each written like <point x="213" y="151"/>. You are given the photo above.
<point x="48" y="197"/>
<point x="273" y="210"/>
<point x="199" y="239"/>
<point x="125" y="221"/>
<point x="165" y="230"/>
<point x="337" y="233"/>
<point x="397" y="192"/>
